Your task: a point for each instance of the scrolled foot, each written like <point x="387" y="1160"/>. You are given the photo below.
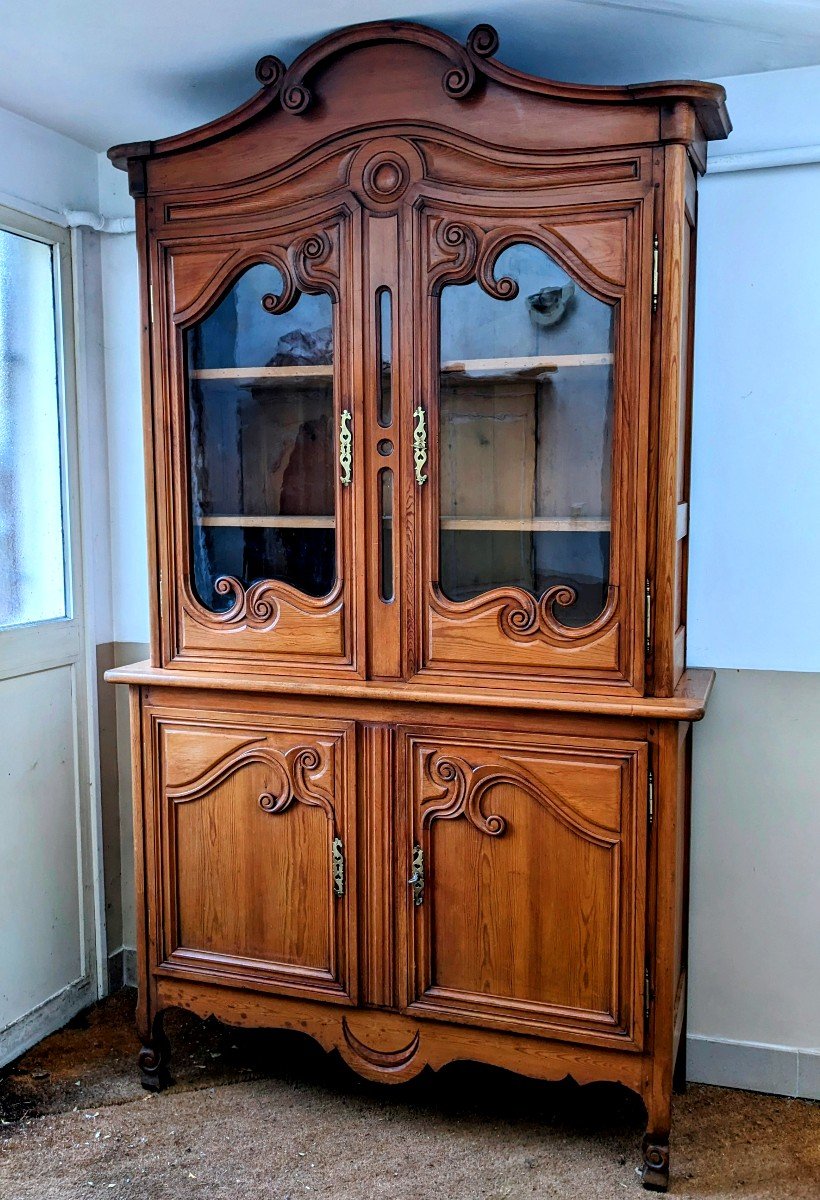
<point x="655" y="1170"/>
<point x="154" y="1060"/>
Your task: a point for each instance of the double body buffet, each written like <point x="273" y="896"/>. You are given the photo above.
<point x="412" y="752"/>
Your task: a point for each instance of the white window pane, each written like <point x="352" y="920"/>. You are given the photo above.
<point x="32" y="574"/>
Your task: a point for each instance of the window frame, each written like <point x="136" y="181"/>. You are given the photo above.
<point x="58" y="239"/>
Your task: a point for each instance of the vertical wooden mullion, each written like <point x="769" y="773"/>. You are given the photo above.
<point x="385" y="619"/>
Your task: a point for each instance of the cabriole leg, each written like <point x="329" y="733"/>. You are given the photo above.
<point x="155" y="1057"/>
<point x="655" y="1169"/>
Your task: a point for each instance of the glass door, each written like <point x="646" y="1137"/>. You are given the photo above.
<point x="525" y="442"/>
<point x="261" y="446"/>
<point x="267" y="481"/>
<point x="524" y="426"/>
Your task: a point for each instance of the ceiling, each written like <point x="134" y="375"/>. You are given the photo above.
<point x="105" y="73"/>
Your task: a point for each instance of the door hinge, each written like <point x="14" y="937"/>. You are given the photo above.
<point x="650" y="795"/>
<point x="338" y="867"/>
<point x="647" y="614"/>
<point x="416" y="880"/>
<point x="647" y="993"/>
<point x="655" y="271"/>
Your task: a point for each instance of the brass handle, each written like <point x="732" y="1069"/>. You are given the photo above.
<point x="416" y="880"/>
<point x="338" y="867"/>
<point x="346" y="447"/>
<point x="420" y="445"/>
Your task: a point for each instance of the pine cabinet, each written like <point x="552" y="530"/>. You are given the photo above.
<point x="411" y="753"/>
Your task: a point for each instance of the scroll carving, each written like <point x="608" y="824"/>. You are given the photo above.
<point x="462" y="250"/>
<point x="259" y="606"/>
<point x="521" y="617"/>
<point x="310" y="265"/>
<point x="461" y="789"/>
<point x="295" y="773"/>
<point x="292" y="86"/>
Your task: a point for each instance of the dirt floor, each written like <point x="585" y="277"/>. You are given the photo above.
<point x="271" y="1116"/>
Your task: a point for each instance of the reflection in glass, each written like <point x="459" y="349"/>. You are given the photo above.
<point x="526" y="409"/>
<point x="261" y="441"/>
<point x="32" y="577"/>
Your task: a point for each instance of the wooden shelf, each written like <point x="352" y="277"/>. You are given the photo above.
<point x="527" y="524"/>
<point x="323" y="371"/>
<point x="470" y="366"/>
<point x="467" y="524"/>
<point x="240" y="521"/>
<point x="533" y="364"/>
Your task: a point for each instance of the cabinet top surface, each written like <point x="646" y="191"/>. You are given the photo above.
<point x="688" y="703"/>
<point x="394" y="73"/>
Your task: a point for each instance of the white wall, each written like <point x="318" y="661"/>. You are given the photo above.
<point x="754" y="583"/>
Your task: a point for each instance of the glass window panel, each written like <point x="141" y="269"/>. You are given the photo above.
<point x="32" y="571"/>
<point x="261" y="441"/>
<point x="386" y="590"/>
<point x="526" y="404"/>
<point x="384" y="324"/>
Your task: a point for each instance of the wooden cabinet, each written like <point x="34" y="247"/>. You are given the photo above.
<point x="412" y="749"/>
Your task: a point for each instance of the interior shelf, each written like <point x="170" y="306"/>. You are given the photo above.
<point x="527" y="524"/>
<point x="240" y="521"/>
<point x="468" y="367"/>
<point x="321" y="371"/>
<point x="524" y="365"/>
<point x="471" y="524"/>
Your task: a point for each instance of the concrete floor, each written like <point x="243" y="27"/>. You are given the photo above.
<point x="270" y="1116"/>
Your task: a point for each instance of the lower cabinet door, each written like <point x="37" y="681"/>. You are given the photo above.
<point x="256" y="851"/>
<point x="526" y="856"/>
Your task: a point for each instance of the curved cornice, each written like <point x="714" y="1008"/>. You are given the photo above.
<point x="465" y="68"/>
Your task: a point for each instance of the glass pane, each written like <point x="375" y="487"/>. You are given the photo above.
<point x="386" y="533"/>
<point x="32" y="574"/>
<point x="261" y="441"/>
<point x="384" y="324"/>
<point x="526" y="437"/>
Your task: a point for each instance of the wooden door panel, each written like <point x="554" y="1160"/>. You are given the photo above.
<point x="532" y="911"/>
<point x="531" y="522"/>
<point x="257" y="852"/>
<point x="259" y="565"/>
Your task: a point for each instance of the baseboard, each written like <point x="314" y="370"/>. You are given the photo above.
<point x="122" y="968"/>
<point x="47" y="1017"/>
<point x="753" y="1067"/>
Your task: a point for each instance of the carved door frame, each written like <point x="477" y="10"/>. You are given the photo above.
<point x="269" y="625"/>
<point x="297" y="772"/>
<point x="461" y="237"/>
<point x="460" y="768"/>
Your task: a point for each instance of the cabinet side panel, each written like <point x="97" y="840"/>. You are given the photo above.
<point x="675" y="314"/>
<point x="147" y="373"/>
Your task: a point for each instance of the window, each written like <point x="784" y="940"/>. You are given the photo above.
<point x="32" y="477"/>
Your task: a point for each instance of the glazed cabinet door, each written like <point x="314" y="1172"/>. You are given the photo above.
<point x="530" y="444"/>
<point x="255" y="477"/>
<point x="526" y="860"/>
<point x="254" y="860"/>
